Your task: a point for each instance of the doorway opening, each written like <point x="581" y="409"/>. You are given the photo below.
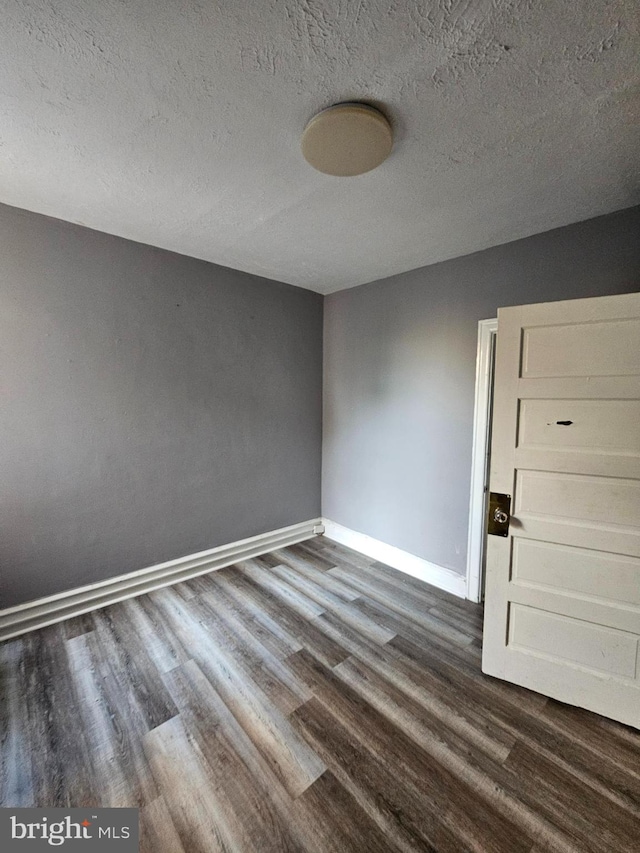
<point x="481" y="458"/>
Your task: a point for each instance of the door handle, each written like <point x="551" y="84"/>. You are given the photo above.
<point x="499" y="514"/>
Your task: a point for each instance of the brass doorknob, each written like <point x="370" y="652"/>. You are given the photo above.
<point x="499" y="514"/>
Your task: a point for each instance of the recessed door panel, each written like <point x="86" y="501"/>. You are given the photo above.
<point x="608" y="348"/>
<point x="573" y="641"/>
<point x="578" y="497"/>
<point x="597" y="574"/>
<point x="589" y="426"/>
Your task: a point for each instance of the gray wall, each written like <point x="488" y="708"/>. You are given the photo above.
<point x="152" y="405"/>
<point x="399" y="359"/>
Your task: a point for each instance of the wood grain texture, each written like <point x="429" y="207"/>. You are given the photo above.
<point x="308" y="700"/>
<point x="113" y="740"/>
<point x="157" y="830"/>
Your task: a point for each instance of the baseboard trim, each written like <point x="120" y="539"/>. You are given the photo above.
<point x="54" y="608"/>
<point x="431" y="573"/>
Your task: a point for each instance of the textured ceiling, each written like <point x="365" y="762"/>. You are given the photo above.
<point x="178" y="122"/>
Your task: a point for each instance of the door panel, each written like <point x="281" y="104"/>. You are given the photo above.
<point x="561" y="568"/>
<point x="562" y="603"/>
<point x="573" y="641"/>
<point x="582" y="349"/>
<point x="602" y="427"/>
<point x="592" y="501"/>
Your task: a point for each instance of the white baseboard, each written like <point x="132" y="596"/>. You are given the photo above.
<point x="54" y="608"/>
<point x="431" y="573"/>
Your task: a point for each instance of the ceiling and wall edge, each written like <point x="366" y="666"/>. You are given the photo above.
<point x="337" y="289"/>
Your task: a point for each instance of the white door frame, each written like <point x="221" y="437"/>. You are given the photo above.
<point x="487" y="330"/>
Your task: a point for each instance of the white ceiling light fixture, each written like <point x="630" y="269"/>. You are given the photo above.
<point x="347" y="139"/>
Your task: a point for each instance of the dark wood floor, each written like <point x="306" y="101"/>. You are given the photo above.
<point x="308" y="700"/>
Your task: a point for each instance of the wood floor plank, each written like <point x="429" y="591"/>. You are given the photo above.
<point x="399" y="813"/>
<point x="161" y="646"/>
<point x="331" y="603"/>
<point x="307" y="555"/>
<point x="426" y="654"/>
<point x="77" y="625"/>
<point x="305" y="567"/>
<point x="383" y="571"/>
<point x="382" y="576"/>
<point x="335" y="822"/>
<point x="422" y="632"/>
<point x="303" y="606"/>
<point x="469" y="624"/>
<point x="312" y="556"/>
<point x="112" y="731"/>
<point x="410" y="715"/>
<point x="184" y="590"/>
<point x="303" y="630"/>
<point x="241" y="795"/>
<point x="422" y="596"/>
<point x="236" y="594"/>
<point x="16" y="784"/>
<point x="402" y="605"/>
<point x="118" y="653"/>
<point x="157" y="831"/>
<point x="247" y="650"/>
<point x="197" y="807"/>
<point x="620" y="743"/>
<point x="62" y="764"/>
<point x="596" y="823"/>
<point x="340" y="553"/>
<point x="240" y="621"/>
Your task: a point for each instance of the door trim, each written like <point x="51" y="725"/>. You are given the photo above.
<point x="487" y="330"/>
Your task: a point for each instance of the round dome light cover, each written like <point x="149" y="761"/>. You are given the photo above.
<point x="347" y="139"/>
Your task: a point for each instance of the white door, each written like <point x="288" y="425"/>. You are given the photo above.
<point x="562" y="600"/>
